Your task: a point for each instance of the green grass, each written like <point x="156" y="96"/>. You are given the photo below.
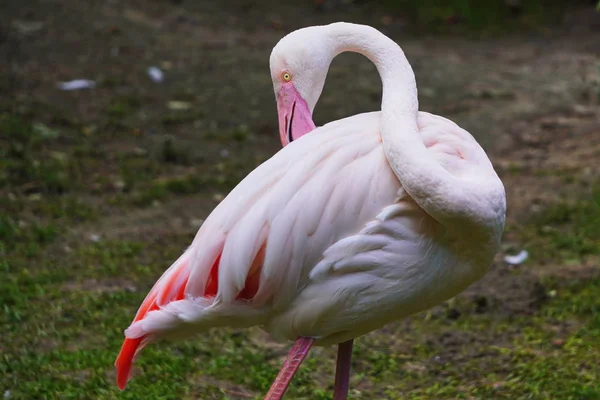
<point x="123" y="106"/>
<point x="566" y="231"/>
<point x="64" y="318"/>
<point x="66" y="300"/>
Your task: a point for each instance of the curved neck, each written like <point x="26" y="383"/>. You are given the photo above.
<point x="424" y="179"/>
<point x="397" y="76"/>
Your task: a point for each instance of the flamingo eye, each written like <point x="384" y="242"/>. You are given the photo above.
<point x="286" y="76"/>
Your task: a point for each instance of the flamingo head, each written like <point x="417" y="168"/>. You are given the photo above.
<point x="299" y="65"/>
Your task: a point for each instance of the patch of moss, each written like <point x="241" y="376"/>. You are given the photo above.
<point x="566" y="231"/>
<point x="123" y="106"/>
<point x="24" y="238"/>
<point x="27" y="160"/>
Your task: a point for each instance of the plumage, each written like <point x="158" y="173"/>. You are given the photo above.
<point x="322" y="238"/>
<point x="323" y="241"/>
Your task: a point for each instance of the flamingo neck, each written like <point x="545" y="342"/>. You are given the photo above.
<point x="399" y="84"/>
<point x="424" y="179"/>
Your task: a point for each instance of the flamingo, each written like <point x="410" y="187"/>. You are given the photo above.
<point x="364" y="221"/>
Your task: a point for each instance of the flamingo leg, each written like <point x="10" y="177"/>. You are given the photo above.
<point x="298" y="352"/>
<point x="342" y="370"/>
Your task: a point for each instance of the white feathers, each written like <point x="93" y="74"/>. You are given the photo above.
<point x="344" y="244"/>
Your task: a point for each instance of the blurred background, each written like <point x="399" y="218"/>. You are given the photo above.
<point x="124" y="123"/>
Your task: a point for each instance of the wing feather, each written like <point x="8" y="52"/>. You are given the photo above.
<point x="324" y="204"/>
<point x="296" y="242"/>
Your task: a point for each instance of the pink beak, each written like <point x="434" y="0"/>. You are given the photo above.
<point x="295" y="118"/>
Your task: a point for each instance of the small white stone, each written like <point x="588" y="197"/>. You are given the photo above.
<point x="76" y="84"/>
<point x="156" y="74"/>
<point x="517" y="258"/>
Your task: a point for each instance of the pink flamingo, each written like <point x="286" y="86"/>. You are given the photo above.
<point x="364" y="221"/>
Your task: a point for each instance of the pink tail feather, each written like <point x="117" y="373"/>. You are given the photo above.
<point x="162" y="293"/>
<point x="125" y="360"/>
<point x="172" y="288"/>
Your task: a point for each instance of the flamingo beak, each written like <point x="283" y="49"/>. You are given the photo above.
<point x="295" y="118"/>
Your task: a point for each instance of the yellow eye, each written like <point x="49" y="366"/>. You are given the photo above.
<point x="286" y="76"/>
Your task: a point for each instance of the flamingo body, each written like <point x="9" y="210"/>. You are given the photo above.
<point x="319" y="241"/>
<point x="350" y="226"/>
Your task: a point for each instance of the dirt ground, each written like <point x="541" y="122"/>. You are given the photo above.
<point x="138" y="161"/>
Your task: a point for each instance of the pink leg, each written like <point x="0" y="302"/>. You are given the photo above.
<point x="295" y="357"/>
<point x="342" y="370"/>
